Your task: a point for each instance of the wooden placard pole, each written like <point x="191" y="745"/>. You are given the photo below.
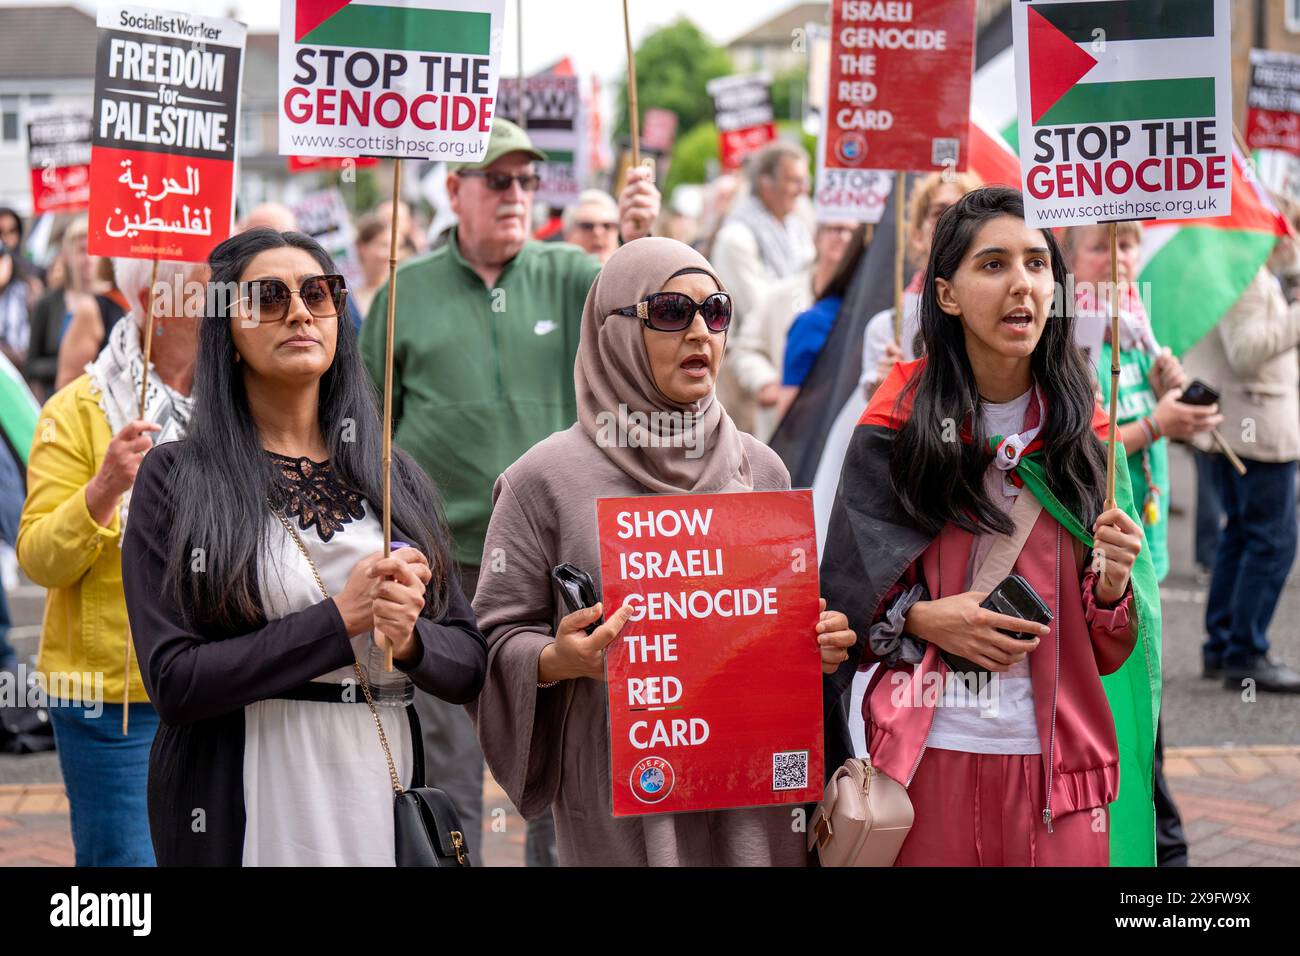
<point x="148" y="337"/>
<point x="144" y="391"/>
<point x="519" y="19"/>
<point x="633" y="120"/>
<point x="1114" y="368"/>
<point x="900" y="229"/>
<point x="387" y="460"/>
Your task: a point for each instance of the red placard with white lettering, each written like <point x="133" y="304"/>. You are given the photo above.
<point x="899" y="92"/>
<point x="1273" y="101"/>
<point x="58" y="151"/>
<point x="736" y="144"/>
<point x="166" y="118"/>
<point x="310" y="164"/>
<point x="715" y="688"/>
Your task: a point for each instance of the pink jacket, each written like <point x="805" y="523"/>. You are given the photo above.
<point x="1073" y="716"/>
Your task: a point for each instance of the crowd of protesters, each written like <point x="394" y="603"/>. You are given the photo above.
<point x="229" y="675"/>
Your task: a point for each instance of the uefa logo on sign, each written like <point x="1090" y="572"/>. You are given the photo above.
<point x="652" y="779"/>
<point x="851" y="148"/>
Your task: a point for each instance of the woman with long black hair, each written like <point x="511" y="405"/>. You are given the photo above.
<point x="983" y="458"/>
<point x="254" y="578"/>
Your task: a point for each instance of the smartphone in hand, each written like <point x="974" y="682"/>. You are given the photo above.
<point x="577" y="590"/>
<point x="1198" y="393"/>
<point x="1016" y="598"/>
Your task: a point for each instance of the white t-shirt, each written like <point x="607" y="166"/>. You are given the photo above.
<point x="994" y="715"/>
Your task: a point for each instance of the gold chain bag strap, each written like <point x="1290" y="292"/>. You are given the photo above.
<point x="426" y="828"/>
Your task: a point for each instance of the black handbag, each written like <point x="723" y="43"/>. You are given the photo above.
<point x="426" y="828"/>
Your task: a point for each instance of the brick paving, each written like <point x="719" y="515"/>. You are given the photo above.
<point x="34" y="826"/>
<point x="1240" y="807"/>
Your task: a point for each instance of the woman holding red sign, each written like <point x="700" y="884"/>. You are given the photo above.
<point x="653" y="334"/>
<point x="971" y="494"/>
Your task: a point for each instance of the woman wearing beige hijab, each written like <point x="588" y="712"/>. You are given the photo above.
<point x="541" y="718"/>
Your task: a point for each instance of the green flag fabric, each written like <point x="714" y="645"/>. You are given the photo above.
<point x="1134" y="689"/>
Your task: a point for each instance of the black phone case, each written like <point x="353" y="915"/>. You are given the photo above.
<point x="1206" y="396"/>
<point x="1013" y="596"/>
<point x="577" y="590"/>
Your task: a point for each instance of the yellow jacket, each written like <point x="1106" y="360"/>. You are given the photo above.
<point x="62" y="549"/>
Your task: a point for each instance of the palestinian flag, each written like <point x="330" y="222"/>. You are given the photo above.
<point x="871" y="543"/>
<point x="377" y="25"/>
<point x="1152" y="67"/>
<point x="1224" y="253"/>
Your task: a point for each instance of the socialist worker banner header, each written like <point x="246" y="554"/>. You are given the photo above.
<point x="396" y="78"/>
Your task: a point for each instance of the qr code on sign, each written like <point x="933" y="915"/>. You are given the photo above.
<point x="790" y="770"/>
<point x="943" y="151"/>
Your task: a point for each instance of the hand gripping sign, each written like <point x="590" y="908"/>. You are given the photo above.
<point x="715" y="695"/>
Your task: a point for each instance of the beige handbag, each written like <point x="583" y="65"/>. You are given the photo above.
<point x="865" y="816"/>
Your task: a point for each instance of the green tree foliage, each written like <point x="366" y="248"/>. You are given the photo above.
<point x="673" y="64"/>
<point x="695" y="155"/>
<point x="789" y="90"/>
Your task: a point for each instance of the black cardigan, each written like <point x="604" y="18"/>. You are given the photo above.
<point x="200" y="682"/>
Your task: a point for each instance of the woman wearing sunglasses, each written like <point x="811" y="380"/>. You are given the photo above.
<point x="653" y="333"/>
<point x="255" y="579"/>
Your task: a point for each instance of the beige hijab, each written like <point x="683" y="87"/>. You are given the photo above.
<point x="696" y="449"/>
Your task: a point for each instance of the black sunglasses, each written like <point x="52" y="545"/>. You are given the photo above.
<point x="675" y="311"/>
<point x="268" y="299"/>
<point x="500" y="182"/>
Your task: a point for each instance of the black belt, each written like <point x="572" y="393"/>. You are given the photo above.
<point x="325" y="693"/>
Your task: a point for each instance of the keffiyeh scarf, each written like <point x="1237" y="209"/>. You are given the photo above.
<point x="115" y="380"/>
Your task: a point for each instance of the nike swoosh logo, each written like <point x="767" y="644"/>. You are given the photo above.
<point x="544" y="326"/>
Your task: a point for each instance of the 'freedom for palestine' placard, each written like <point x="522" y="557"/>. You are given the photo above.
<point x="166" y="117"/>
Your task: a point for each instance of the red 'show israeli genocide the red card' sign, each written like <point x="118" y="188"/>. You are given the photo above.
<point x="715" y="690"/>
<point x="166" y="115"/>
<point x="899" y="91"/>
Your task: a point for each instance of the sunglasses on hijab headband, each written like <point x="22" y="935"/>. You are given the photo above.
<point x="675" y="311"/>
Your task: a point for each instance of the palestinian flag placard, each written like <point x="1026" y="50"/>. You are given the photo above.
<point x="1125" y="109"/>
<point x="397" y="78"/>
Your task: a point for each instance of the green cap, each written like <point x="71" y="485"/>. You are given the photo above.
<point x="506" y="138"/>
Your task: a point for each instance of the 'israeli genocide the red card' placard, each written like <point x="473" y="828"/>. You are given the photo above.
<point x="715" y="689"/>
<point x="899" y="91"/>
<point x="166" y="117"/>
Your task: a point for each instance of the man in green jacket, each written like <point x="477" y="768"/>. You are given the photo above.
<point x="485" y="337"/>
